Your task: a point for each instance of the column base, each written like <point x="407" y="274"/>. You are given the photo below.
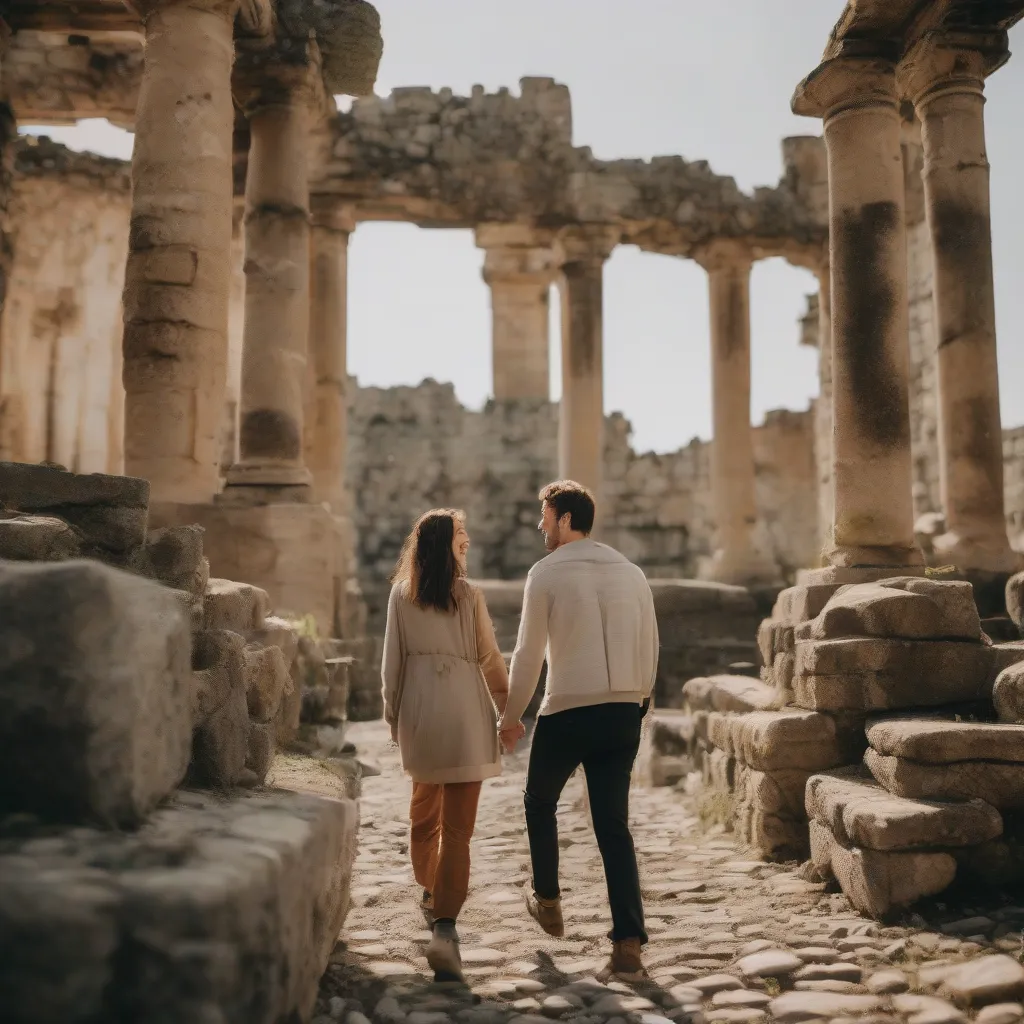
<point x="750" y="568"/>
<point x="833" y="575"/>
<point x="269" y="473"/>
<point x="973" y="555"/>
<point x="850" y="556"/>
<point x="249" y="495"/>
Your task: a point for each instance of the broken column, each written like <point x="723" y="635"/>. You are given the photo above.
<point x="873" y="518"/>
<point x="738" y="557"/>
<point x="178" y="270"/>
<point x="277" y="241"/>
<point x="518" y="269"/>
<point x="582" y="252"/>
<point x="327" y="419"/>
<point x="944" y="74"/>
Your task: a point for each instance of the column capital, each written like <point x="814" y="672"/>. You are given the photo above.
<point x="847" y="83"/>
<point x="513" y="236"/>
<point x="586" y="243"/>
<point x="331" y="212"/>
<point x="724" y="254"/>
<point x="284" y="74"/>
<point x="941" y="62"/>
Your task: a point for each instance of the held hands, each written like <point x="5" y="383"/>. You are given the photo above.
<point x="511" y="735"/>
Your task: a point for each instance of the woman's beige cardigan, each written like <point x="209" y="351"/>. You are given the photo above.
<point x="443" y="675"/>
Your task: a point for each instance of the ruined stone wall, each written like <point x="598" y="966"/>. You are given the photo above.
<point x="414" y="448"/>
<point x="61" y="398"/>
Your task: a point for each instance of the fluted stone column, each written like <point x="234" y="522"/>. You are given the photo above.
<point x="327" y="408"/>
<point x="518" y="267"/>
<point x="178" y="270"/>
<point x="581" y="255"/>
<point x="277" y="254"/>
<point x="873" y="518"/>
<point x="945" y="76"/>
<point x="738" y="557"/>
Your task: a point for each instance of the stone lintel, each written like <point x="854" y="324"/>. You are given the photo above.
<point x="514" y="235"/>
<point x="951" y="61"/>
<point x="846" y="82"/>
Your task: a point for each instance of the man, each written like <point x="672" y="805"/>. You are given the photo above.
<point x="592" y="611"/>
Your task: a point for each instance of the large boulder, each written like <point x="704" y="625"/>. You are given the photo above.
<point x="95" y="692"/>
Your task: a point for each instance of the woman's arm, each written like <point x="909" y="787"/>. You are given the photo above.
<point x="492" y="664"/>
<point x="391" y="664"/>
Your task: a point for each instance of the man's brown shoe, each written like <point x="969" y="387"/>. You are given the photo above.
<point x="625" y="963"/>
<point x="547" y="913"/>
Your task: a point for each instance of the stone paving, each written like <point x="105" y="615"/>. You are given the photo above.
<point x="733" y="940"/>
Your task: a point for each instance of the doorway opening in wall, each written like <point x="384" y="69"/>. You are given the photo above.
<point x="418" y="308"/>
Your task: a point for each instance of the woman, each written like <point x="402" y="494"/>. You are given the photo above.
<point x="443" y="676"/>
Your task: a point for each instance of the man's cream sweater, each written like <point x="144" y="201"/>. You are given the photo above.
<point x="592" y="611"/>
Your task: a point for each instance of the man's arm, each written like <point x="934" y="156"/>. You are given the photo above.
<point x="651" y="647"/>
<point x="529" y="653"/>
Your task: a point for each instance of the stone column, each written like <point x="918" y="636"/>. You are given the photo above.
<point x="178" y="269"/>
<point x="277" y="253"/>
<point x="518" y="266"/>
<point x="581" y="255"/>
<point x="873" y="518"/>
<point x="823" y="409"/>
<point x="737" y="558"/>
<point x="327" y="415"/>
<point x="945" y="77"/>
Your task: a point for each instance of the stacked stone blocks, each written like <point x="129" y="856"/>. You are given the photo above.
<point x="122" y="895"/>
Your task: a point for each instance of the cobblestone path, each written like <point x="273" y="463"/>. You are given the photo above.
<point x="733" y="940"/>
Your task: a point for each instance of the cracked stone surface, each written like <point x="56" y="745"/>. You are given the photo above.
<point x="719" y="921"/>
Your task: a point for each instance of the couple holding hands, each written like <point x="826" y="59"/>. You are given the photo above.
<point x="451" y="705"/>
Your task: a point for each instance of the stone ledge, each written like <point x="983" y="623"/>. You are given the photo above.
<point x="215" y="910"/>
<point x="859" y="812"/>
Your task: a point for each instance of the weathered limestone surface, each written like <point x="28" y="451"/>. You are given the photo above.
<point x="910" y="607"/>
<point x="874" y="881"/>
<point x="940" y="741"/>
<point x="1008" y="694"/>
<point x="214" y="909"/>
<point x="859" y="812"/>
<point x="863" y="674"/>
<point x="996" y="782"/>
<point x="61" y="397"/>
<point x="96" y="717"/>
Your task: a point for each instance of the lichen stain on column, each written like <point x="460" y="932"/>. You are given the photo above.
<point x="270" y="433"/>
<point x="734" y="316"/>
<point x="962" y="233"/>
<point x="585" y="300"/>
<point x="859" y="256"/>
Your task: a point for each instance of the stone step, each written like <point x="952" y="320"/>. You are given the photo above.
<point x="860" y="812"/>
<point x="726" y="692"/>
<point x="1000" y="784"/>
<point x="943" y="741"/>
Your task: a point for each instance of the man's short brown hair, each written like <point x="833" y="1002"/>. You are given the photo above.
<point x="568" y="496"/>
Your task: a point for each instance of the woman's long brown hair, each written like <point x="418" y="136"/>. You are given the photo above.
<point x="427" y="565"/>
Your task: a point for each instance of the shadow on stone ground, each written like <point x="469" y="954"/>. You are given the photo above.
<point x="733" y="939"/>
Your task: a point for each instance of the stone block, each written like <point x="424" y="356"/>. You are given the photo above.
<point x="1008" y="694"/>
<point x="739" y="693"/>
<point x="877" y="882"/>
<point x="25" y="538"/>
<point x="1015" y="599"/>
<point x="697" y="693"/>
<point x="779" y="792"/>
<point x="985" y="980"/>
<point x="802" y="602"/>
<point x="911" y="608"/>
<point x="235" y="606"/>
<point x="942" y="741"/>
<point x="214" y="910"/>
<point x="95" y="692"/>
<point x="260" y="749"/>
<point x="865" y="674"/>
<point x="110" y="512"/>
<point x="280" y="633"/>
<point x="859" y="812"/>
<point x="790" y="738"/>
<point x="998" y="784"/>
<point x="267" y="679"/>
<point x="174" y="556"/>
<point x="218" y="658"/>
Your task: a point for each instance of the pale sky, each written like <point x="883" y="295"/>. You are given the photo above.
<point x="707" y="81"/>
